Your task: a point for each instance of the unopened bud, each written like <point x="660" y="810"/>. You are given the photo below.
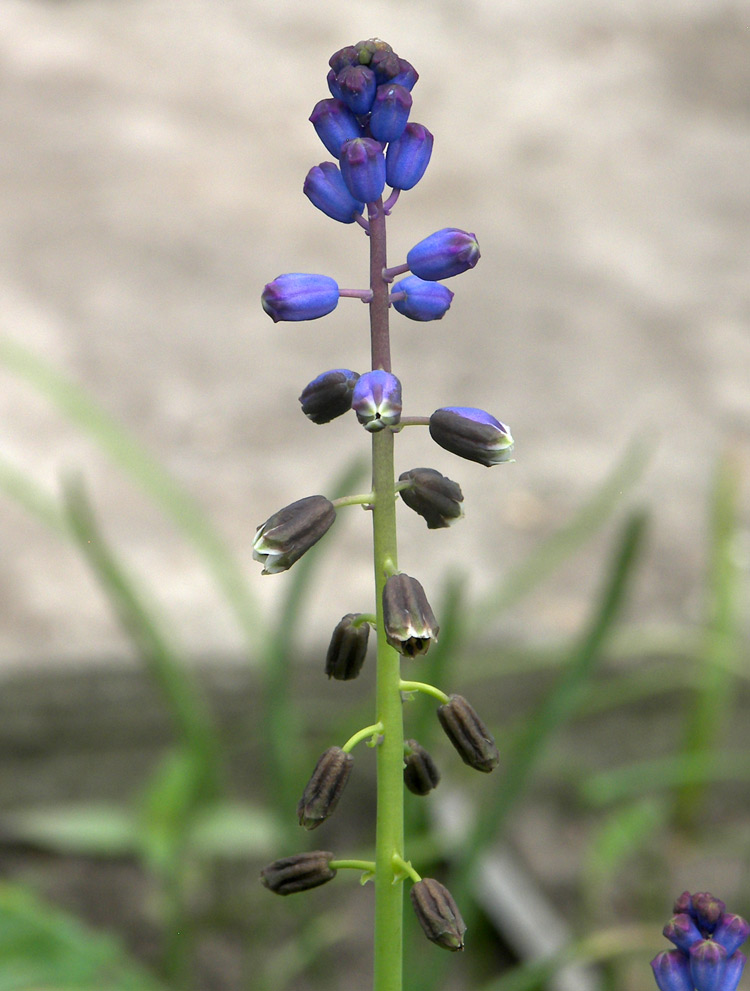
<point x="300" y="296"/>
<point x="420" y="771"/>
<point x="348" y="648"/>
<point x="468" y="734"/>
<point x="433" y="496"/>
<point x="286" y="535"/>
<point x="410" y="624"/>
<point x="298" y="873"/>
<point x="472" y="434"/>
<point x="325" y="787"/>
<point x="329" y="395"/>
<point x="438" y="914"/>
<point x="672" y="971"/>
<point x="362" y="166"/>
<point x="444" y="254"/>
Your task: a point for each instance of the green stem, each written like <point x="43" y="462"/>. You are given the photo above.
<point x="390" y="755"/>
<point x="422" y="686"/>
<point x="368" y="866"/>
<point x="362" y="735"/>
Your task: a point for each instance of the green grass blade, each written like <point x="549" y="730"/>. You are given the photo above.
<point x="563" y="543"/>
<point x="708" y="715"/>
<point x="166" y="666"/>
<point x="80" y="409"/>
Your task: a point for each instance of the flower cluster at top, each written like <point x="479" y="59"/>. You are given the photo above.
<point x="707" y="940"/>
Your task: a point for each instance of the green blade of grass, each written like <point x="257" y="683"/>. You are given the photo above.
<point x="80" y="409"/>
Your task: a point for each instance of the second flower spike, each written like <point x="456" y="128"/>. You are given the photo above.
<point x="410" y="624"/>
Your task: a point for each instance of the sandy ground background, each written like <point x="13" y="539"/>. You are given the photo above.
<point x="151" y="163"/>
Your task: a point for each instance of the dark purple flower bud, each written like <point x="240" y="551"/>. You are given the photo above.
<point x="298" y="873"/>
<point x="443" y="254"/>
<point x="390" y="112"/>
<point x="325" y="787"/>
<point x="285" y="537"/>
<point x="420" y="771"/>
<point x="438" y="914"/>
<point x="329" y="395"/>
<point x="357" y="86"/>
<point x="672" y="971"/>
<point x="468" y="734"/>
<point x="343" y="57"/>
<point x="683" y="904"/>
<point x="433" y="496"/>
<point x="407" y="74"/>
<point x="298" y="296"/>
<point x="348" y="648"/>
<point x="406" y="160"/>
<point x="423" y="300"/>
<point x="707" y="911"/>
<point x="682" y="931"/>
<point x="334" y="124"/>
<point x="410" y="624"/>
<point x="385" y="65"/>
<point x="325" y="188"/>
<point x="377" y="400"/>
<point x="333" y="85"/>
<point x="367" y="50"/>
<point x="708" y="965"/>
<point x="363" y="168"/>
<point x="472" y="434"/>
<point x="735" y="966"/>
<point x="731" y="932"/>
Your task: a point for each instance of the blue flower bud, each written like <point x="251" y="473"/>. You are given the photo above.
<point x="377" y="400"/>
<point x="369" y="49"/>
<point x="343" y="57"/>
<point x="672" y="971"/>
<point x="357" y="86"/>
<point x="407" y="74"/>
<point x="390" y="112"/>
<point x="363" y="168"/>
<point x="735" y="966"/>
<point x="472" y="434"/>
<point x="386" y="66"/>
<point x="708" y="965"/>
<point x="334" y="124"/>
<point x="707" y="911"/>
<point x="326" y="189"/>
<point x="682" y="931"/>
<point x="329" y="395"/>
<point x="286" y="535"/>
<point x="297" y="296"/>
<point x="443" y="254"/>
<point x="423" y="300"/>
<point x="406" y="159"/>
<point x="731" y="932"/>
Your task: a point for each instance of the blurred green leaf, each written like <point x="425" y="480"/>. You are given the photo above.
<point x="94" y="829"/>
<point x="234" y="829"/>
<point x="619" y="838"/>
<point x="44" y="949"/>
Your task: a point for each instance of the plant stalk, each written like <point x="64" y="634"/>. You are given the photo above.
<point x="390" y="796"/>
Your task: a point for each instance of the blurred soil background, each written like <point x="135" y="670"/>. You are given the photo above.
<point x="151" y="170"/>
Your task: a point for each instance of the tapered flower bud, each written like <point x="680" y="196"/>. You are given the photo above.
<point x="410" y="624"/>
<point x="443" y="254"/>
<point x="285" y="537"/>
<point x="707" y="911"/>
<point x="329" y="395"/>
<point x="731" y="932"/>
<point x="348" y="648"/>
<point x="357" y="85"/>
<point x="472" y="434"/>
<point x="423" y="300"/>
<point x="433" y="496"/>
<point x="390" y="112"/>
<point x="386" y="65"/>
<point x="438" y="914"/>
<point x="406" y="159"/>
<point x="324" y="186"/>
<point x="407" y="75"/>
<point x="334" y="124"/>
<point x="672" y="971"/>
<point x="298" y="873"/>
<point x="377" y="400"/>
<point x="735" y="966"/>
<point x="343" y="57"/>
<point x="468" y="734"/>
<point x="325" y="787"/>
<point x="682" y="931"/>
<point x="708" y="965"/>
<point x="298" y="296"/>
<point x="363" y="168"/>
<point x="420" y="771"/>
